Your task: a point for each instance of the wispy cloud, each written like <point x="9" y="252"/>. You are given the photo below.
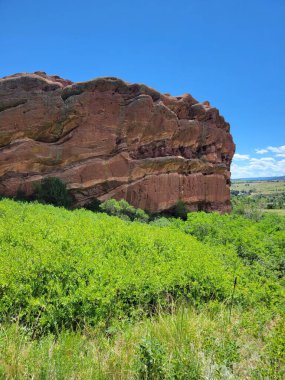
<point x="261" y="151"/>
<point x="279" y="150"/>
<point x="241" y="157"/>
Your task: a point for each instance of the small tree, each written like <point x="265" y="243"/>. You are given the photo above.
<point x="52" y="190"/>
<point x="126" y="209"/>
<point x="141" y="215"/>
<point x="180" y="210"/>
<point x="111" y="207"/>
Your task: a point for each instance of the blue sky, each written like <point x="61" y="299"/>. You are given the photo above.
<point x="230" y="52"/>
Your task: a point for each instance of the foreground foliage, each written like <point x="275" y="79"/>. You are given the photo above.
<point x="63" y="269"/>
<point x="92" y="296"/>
<point x="186" y="344"/>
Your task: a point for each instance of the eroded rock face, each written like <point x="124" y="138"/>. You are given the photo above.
<point x="107" y="138"/>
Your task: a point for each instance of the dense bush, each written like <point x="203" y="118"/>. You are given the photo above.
<point x="123" y="210"/>
<point x="52" y="190"/>
<point x="260" y="244"/>
<point x="63" y="271"/>
<point x="180" y="210"/>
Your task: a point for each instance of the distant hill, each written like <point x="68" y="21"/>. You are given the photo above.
<point x="281" y="178"/>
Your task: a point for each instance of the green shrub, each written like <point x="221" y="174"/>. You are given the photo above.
<point x="52" y="190"/>
<point x="151" y="360"/>
<point x="123" y="210"/>
<point x="247" y="207"/>
<point x="186" y="368"/>
<point x="161" y="222"/>
<point x="93" y="205"/>
<point x="259" y="243"/>
<point x="180" y="210"/>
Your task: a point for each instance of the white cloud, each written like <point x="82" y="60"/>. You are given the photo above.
<point x="261" y="151"/>
<point x="241" y="157"/>
<point x="279" y="150"/>
<point x="259" y="167"/>
<point x="240" y="171"/>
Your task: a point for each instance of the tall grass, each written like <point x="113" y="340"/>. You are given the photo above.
<point x="186" y="344"/>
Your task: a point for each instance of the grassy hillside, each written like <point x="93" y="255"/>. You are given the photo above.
<point x="89" y="296"/>
<point x="259" y="187"/>
<point x="268" y="195"/>
<point x="275" y="211"/>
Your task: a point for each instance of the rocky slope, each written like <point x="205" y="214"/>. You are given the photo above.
<point x="108" y="138"/>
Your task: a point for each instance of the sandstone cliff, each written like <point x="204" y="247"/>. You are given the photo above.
<point x="108" y="138"/>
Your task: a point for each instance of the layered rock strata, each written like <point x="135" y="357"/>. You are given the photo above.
<point x="107" y="138"/>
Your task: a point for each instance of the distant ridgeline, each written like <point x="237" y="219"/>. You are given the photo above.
<point x="279" y="178"/>
<point x="106" y="138"/>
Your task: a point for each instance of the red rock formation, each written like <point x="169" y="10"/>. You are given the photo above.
<point x="108" y="138"/>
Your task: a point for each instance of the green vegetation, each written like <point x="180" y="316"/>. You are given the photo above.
<point x="64" y="269"/>
<point x="186" y="344"/>
<point x="275" y="211"/>
<point x="52" y="190"/>
<point x="247" y="207"/>
<point x="123" y="210"/>
<point x="86" y="295"/>
<point x="267" y="195"/>
<point x="259" y="187"/>
<point x="182" y="345"/>
<point x="180" y="210"/>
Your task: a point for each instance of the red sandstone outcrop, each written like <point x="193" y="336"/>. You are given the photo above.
<point x="108" y="138"/>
